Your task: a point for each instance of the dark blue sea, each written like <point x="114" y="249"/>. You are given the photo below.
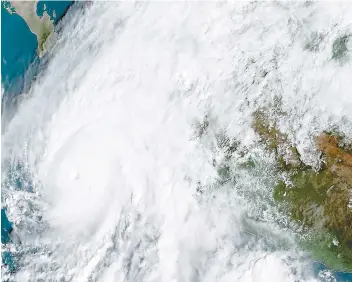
<point x="19" y="65"/>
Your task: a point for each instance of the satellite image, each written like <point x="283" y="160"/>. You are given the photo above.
<point x="176" y="141"/>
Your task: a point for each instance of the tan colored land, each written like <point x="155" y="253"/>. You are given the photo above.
<point x="320" y="200"/>
<point x="42" y="27"/>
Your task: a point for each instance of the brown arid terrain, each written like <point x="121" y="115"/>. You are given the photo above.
<point x="320" y="200"/>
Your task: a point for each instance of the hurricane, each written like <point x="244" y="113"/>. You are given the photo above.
<point x="133" y="157"/>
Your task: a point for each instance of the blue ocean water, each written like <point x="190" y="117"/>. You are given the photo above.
<point x="19" y="65"/>
<point x="339" y="276"/>
<point x="60" y="8"/>
<point x="18" y="54"/>
<point x="6" y="227"/>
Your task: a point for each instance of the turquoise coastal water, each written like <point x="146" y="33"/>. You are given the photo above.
<point x="18" y="54"/>
<point x="339" y="276"/>
<point x="57" y="7"/>
<point x="19" y="65"/>
<point x="6" y="227"/>
<point x="18" y="51"/>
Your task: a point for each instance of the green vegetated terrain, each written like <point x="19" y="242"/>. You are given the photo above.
<point x="319" y="200"/>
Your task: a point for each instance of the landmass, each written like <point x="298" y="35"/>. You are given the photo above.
<point x="42" y="27"/>
<point x="319" y="199"/>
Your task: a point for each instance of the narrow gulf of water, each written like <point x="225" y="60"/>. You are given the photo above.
<point x="121" y="142"/>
